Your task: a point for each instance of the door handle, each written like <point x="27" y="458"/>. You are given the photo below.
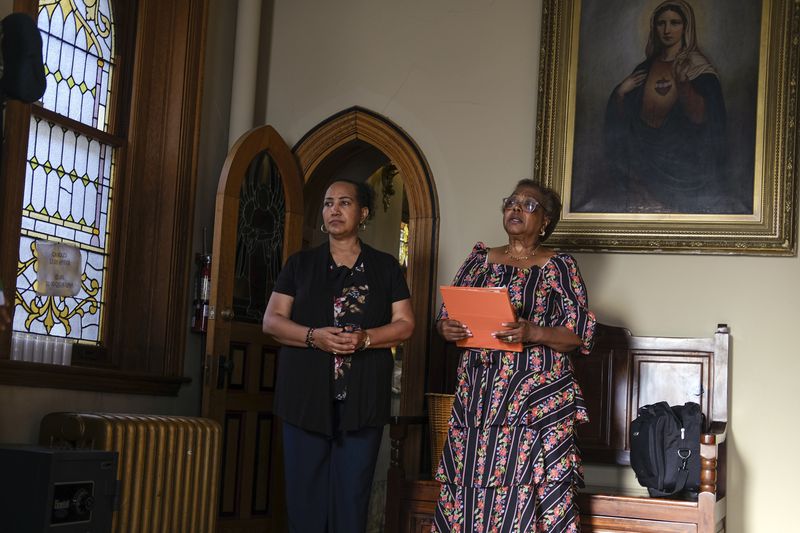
<point x="226" y="314"/>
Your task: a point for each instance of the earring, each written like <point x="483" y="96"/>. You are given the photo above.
<point x="362" y="226"/>
<point x="542" y="232"/>
<point x="322" y="228"/>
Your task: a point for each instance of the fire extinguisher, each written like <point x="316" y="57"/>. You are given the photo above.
<point x="202" y="293"/>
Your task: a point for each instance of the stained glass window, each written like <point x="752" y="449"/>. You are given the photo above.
<point x="402" y="255"/>
<point x="259" y="240"/>
<point x="78" y="48"/>
<point x="69" y="173"/>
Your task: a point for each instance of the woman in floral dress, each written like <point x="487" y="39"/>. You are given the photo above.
<point x="511" y="463"/>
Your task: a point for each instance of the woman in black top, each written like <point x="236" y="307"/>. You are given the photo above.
<point x="337" y="309"/>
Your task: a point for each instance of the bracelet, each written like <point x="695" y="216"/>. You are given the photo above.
<point x="310" y="338"/>
<point x="367" y="341"/>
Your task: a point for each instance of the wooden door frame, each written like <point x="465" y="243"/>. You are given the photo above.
<point x="359" y="124"/>
<point x="249" y="145"/>
<point x="241" y="155"/>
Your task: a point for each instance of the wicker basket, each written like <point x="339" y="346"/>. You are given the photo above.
<point x="439" y="407"/>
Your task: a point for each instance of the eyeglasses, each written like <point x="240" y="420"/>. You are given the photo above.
<point x="526" y="204"/>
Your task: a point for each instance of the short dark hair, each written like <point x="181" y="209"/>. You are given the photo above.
<point x="365" y="194"/>
<point x="551" y="203"/>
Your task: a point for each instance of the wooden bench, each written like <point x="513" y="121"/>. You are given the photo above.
<point x="623" y="373"/>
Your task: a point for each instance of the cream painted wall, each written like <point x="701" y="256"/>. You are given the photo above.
<point x="460" y="77"/>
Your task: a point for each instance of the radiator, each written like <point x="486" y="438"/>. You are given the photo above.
<point x="168" y="466"/>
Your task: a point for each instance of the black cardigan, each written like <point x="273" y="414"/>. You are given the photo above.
<point x="304" y="390"/>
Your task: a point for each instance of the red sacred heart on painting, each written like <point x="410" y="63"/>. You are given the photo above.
<point x="663" y="86"/>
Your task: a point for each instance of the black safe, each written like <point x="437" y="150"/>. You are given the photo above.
<point x="49" y="489"/>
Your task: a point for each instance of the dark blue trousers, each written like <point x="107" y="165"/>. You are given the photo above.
<point x="328" y="479"/>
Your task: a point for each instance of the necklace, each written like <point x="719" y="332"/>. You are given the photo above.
<point x="521" y="257"/>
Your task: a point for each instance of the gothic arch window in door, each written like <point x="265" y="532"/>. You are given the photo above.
<point x="259" y="241"/>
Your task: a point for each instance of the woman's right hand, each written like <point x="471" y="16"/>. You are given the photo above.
<point x="329" y="340"/>
<point x="452" y="330"/>
<point x="631" y="82"/>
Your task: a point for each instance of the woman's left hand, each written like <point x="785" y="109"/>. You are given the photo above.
<point x="355" y="338"/>
<point x="519" y="331"/>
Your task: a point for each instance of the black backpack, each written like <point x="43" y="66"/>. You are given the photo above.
<point x="665" y="448"/>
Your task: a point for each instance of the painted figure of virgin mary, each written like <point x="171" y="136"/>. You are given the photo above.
<point x="665" y="133"/>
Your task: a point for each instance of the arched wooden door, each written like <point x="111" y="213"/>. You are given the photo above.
<point x="258" y="224"/>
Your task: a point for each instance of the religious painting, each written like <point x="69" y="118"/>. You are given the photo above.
<point x="669" y="125"/>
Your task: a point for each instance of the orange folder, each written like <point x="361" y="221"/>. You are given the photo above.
<point x="483" y="310"/>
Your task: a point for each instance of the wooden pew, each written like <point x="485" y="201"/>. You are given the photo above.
<point x="623" y="373"/>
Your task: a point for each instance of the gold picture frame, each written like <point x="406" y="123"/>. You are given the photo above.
<point x="576" y="96"/>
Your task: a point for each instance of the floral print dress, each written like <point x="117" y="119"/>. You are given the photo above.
<point x="348" y="309"/>
<point x="510" y="462"/>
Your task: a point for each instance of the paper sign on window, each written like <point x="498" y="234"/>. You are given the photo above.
<point x="59" y="269"/>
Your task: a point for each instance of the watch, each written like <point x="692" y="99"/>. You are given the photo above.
<point x="367" y="341"/>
